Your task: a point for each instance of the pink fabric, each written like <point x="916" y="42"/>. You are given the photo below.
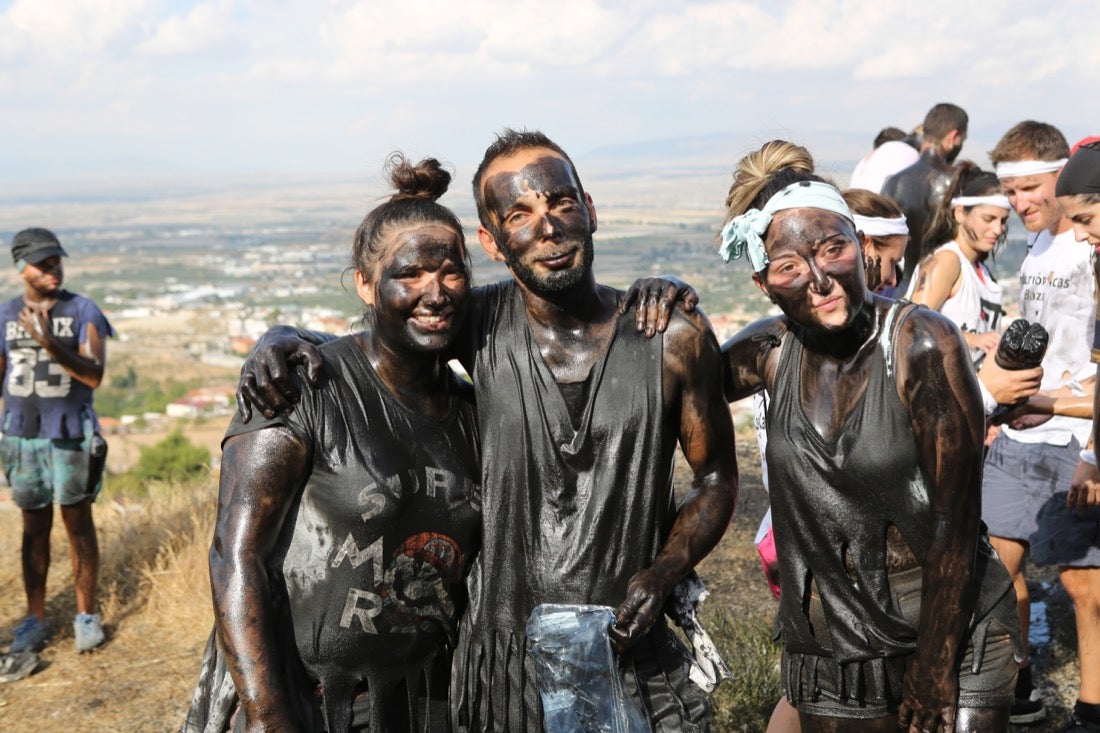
<point x="770" y="560"/>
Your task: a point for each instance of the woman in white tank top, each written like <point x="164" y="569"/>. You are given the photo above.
<point x="953" y="278"/>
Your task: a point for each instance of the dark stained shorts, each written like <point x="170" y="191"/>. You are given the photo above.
<point x="818" y="686"/>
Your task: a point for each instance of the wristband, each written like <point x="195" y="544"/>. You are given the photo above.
<point x="1089" y="457"/>
<point x="989" y="404"/>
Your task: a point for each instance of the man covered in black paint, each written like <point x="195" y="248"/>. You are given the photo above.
<point x="919" y="189"/>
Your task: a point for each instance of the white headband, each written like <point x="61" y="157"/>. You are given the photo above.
<point x="1016" y="168"/>
<point x="1000" y="201"/>
<point x="877" y="226"/>
<point x="745" y="234"/>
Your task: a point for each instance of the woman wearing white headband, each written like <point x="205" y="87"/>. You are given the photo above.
<point x="968" y="226"/>
<point x="883" y="235"/>
<point x="893" y="608"/>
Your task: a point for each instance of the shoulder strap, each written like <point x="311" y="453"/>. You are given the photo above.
<point x="899" y="311"/>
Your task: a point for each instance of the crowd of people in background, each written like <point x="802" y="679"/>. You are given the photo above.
<point x="386" y="529"/>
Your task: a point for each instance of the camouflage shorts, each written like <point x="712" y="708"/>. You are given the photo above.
<point x="43" y="470"/>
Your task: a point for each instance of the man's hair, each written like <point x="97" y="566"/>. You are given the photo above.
<point x="1030" y="140"/>
<point x="942" y="119"/>
<point x="888" y="134"/>
<point x="507" y="143"/>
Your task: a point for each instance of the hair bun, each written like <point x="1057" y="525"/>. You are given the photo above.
<point x="424" y="180"/>
<point x="755" y="170"/>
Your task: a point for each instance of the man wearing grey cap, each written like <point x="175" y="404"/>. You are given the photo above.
<point x="52" y="356"/>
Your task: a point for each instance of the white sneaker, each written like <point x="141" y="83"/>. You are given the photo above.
<point x="88" y="631"/>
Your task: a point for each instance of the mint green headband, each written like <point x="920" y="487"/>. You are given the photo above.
<point x="745" y="234"/>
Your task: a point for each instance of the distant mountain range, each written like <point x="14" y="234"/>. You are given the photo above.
<point x="836" y="152"/>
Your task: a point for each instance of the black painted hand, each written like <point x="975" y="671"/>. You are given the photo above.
<point x="655" y="297"/>
<point x="645" y="599"/>
<point x="872" y="265"/>
<point x="266" y="375"/>
<point x="929" y="700"/>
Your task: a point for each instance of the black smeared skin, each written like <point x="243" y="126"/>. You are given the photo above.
<point x="539" y="209"/>
<point x="264" y="470"/>
<point x="936" y="383"/>
<point x="918" y="190"/>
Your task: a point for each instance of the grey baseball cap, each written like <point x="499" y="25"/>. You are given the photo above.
<point x="34" y="245"/>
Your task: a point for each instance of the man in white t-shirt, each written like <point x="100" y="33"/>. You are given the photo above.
<point x="893" y="151"/>
<point x="1028" y="472"/>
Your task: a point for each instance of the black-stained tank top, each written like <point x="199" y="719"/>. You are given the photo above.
<point x="835" y="497"/>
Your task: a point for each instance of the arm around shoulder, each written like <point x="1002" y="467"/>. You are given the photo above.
<point x="745" y="357"/>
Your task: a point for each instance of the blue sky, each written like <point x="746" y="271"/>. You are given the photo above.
<point x="149" y="87"/>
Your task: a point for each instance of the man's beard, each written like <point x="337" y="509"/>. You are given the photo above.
<point x="556" y="282"/>
<point x="952" y="154"/>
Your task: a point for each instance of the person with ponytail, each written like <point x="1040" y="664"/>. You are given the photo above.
<point x="883" y="234"/>
<point x="345" y="526"/>
<point x="894" y="611"/>
<point x="953" y="278"/>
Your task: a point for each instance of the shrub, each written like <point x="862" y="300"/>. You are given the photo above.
<point x="174" y="459"/>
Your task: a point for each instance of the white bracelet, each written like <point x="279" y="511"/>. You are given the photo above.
<point x="989" y="404"/>
<point x="1089" y="457"/>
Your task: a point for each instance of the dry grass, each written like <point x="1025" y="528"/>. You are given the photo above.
<point x="154" y="598"/>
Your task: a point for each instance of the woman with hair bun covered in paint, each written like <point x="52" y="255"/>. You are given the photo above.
<point x="345" y="526"/>
<point x="969" y="225"/>
<point x="893" y="611"/>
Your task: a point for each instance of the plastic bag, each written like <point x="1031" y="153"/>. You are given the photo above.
<point x="580" y="684"/>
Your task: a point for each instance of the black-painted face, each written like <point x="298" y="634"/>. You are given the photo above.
<point x="422" y="291"/>
<point x="541" y="221"/>
<point x="815" y="274"/>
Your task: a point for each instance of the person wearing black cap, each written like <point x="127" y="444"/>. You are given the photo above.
<point x="1078" y="192"/>
<point x="52" y="356"/>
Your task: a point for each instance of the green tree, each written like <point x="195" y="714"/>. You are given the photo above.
<point x="174" y="459"/>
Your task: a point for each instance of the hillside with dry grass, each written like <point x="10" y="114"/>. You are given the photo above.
<point x="155" y="602"/>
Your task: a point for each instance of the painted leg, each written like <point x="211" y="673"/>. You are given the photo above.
<point x="982" y="720"/>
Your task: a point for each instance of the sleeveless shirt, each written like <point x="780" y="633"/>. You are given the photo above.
<point x="977" y="305"/>
<point x="835" y="499"/>
<point x="367" y="574"/>
<point x="571" y="511"/>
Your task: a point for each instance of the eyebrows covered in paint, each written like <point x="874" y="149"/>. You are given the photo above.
<point x="549" y="176"/>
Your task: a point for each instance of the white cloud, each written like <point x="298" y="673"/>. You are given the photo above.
<point x="182" y="71"/>
<point x="206" y="25"/>
<point x="60" y="30"/>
